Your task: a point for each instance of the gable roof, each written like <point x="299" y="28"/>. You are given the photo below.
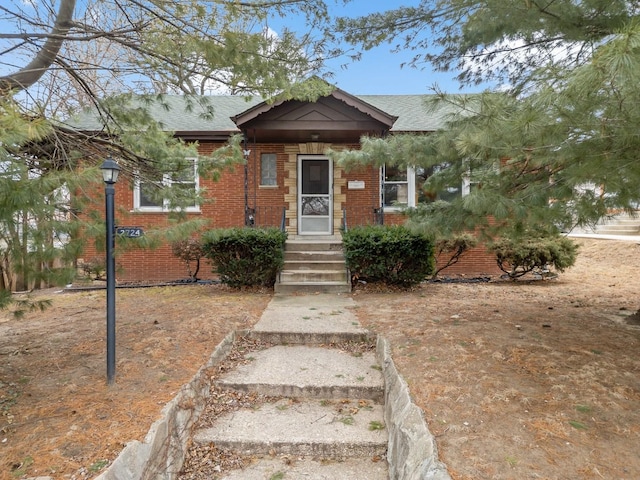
<point x="350" y="100"/>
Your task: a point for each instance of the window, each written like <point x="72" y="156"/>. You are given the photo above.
<point x="145" y="190"/>
<point x="404" y="187"/>
<point x="268" y="176"/>
<point x="147" y="194"/>
<point x="397" y="189"/>
<point x="448" y="194"/>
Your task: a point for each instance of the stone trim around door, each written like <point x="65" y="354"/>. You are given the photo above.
<point x="291" y="183"/>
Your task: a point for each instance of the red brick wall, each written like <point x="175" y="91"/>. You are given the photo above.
<point x="360" y="203"/>
<point x="476" y="262"/>
<point x="227" y="210"/>
<point x="157" y="264"/>
<point x="268" y="200"/>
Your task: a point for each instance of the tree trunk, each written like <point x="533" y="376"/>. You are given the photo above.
<point x="30" y="74"/>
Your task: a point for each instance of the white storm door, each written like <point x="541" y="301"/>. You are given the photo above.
<point x="315" y="202"/>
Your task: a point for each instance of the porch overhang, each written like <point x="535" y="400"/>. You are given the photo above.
<point x="336" y="118"/>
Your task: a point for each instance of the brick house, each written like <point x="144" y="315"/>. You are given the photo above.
<point x="287" y="179"/>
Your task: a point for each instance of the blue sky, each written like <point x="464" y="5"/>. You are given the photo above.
<point x="379" y="71"/>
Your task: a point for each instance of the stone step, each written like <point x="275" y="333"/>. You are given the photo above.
<point x="622" y="224"/>
<point x="629" y="221"/>
<point x="313" y="246"/>
<point x="338" y="265"/>
<point x="311" y="287"/>
<point x="309" y="372"/>
<point x="315" y="238"/>
<point x="308" y="338"/>
<point x="619" y="229"/>
<point x="316" y="319"/>
<point x="306" y="427"/>
<point x="313" y="276"/>
<point x="311" y="469"/>
<point x="313" y="265"/>
<point x="328" y="255"/>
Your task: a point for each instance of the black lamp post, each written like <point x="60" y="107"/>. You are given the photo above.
<point x="110" y="171"/>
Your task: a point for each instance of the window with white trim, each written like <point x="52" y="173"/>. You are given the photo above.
<point x="268" y="172"/>
<point x="403" y="187"/>
<point x="146" y="193"/>
<point x="398" y="187"/>
<point x="448" y="194"/>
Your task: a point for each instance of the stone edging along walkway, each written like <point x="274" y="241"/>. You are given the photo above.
<point x="411" y="453"/>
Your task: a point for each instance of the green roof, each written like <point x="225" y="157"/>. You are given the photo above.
<point x="175" y="114"/>
<point x="412" y="113"/>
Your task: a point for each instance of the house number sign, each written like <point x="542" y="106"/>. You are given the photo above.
<point x="130" y="232"/>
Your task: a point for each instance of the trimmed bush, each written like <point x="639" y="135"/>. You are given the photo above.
<point x="245" y="256"/>
<point x="519" y="256"/>
<point x="388" y="254"/>
<point x="452" y="248"/>
<point x="189" y="251"/>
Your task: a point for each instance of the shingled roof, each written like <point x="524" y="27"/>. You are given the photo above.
<point x="177" y="114"/>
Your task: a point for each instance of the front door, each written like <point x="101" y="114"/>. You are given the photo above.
<point x="315" y="202"/>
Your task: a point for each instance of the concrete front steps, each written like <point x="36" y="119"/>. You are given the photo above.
<point x="619" y="225"/>
<point x="329" y="420"/>
<point x="313" y="264"/>
<point x="327" y="413"/>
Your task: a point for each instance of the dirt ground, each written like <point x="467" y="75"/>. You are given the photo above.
<point x="534" y="379"/>
<point x="527" y="379"/>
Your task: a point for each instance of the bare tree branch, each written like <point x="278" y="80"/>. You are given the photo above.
<point x="45" y="57"/>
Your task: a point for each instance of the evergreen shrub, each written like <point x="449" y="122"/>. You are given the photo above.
<point x="388" y="254"/>
<point x="452" y="248"/>
<point x="245" y="256"/>
<point x="517" y="256"/>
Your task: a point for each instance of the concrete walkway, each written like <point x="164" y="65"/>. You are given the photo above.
<point x="600" y="236"/>
<point x="329" y="423"/>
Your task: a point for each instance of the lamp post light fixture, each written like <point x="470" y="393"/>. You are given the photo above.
<point x="110" y="171"/>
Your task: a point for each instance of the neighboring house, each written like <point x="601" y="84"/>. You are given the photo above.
<point x="287" y="179"/>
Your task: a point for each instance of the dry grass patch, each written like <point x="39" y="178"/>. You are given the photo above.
<point x="527" y="379"/>
<point x="59" y="417"/>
